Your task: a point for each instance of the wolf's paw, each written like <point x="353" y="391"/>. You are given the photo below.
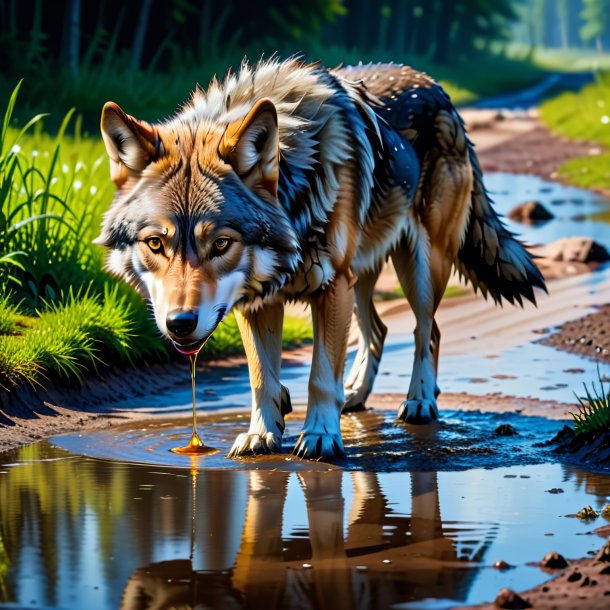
<point x="314" y="446"/>
<point x="354" y="401"/>
<point x="417" y="411"/>
<point x="247" y="444"/>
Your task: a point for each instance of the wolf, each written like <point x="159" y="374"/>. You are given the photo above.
<point x="289" y="181"/>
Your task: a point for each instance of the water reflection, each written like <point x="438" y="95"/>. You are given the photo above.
<point x="382" y="556"/>
<point x="95" y="534"/>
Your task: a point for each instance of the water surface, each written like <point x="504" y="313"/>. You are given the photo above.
<point x="79" y="532"/>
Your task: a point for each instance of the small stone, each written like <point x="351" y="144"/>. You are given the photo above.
<point x="555" y="490"/>
<point x="507" y="598"/>
<point x="387" y="561"/>
<point x="586" y="513"/>
<point x="307" y="566"/>
<point x="505" y="430"/>
<point x="530" y="212"/>
<point x="502" y="565"/>
<point x="554" y="561"/>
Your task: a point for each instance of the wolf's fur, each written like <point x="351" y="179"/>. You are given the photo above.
<point x="290" y="181"/>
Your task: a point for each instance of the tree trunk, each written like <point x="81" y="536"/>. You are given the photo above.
<point x="138" y="41"/>
<point x="384" y="23"/>
<point x="12" y="19"/>
<point x="74" y="38"/>
<point x="444" y="22"/>
<point x="205" y="20"/>
<point x="400" y="26"/>
<point x="562" y="10"/>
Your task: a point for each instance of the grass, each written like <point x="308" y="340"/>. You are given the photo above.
<point x="397" y="293"/>
<point x="65" y="340"/>
<point x="594" y="411"/>
<point x="584" y="116"/>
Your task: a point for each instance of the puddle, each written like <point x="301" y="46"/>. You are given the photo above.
<point x="577" y="211"/>
<point x="78" y="532"/>
<point x="461" y="440"/>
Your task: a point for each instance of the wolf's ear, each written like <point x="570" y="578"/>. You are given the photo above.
<point x="251" y="146"/>
<point x="131" y="144"/>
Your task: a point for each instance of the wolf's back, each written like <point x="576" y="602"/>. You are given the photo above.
<point x="490" y="256"/>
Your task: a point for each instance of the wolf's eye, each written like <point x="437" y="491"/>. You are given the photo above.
<point x="221" y="244"/>
<point x="155" y="244"/>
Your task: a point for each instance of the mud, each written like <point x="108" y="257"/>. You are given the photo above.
<point x="588" y="336"/>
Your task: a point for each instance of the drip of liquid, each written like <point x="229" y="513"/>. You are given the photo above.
<point x="195" y="446"/>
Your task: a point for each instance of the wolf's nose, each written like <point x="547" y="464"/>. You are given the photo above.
<point x="181" y="323"/>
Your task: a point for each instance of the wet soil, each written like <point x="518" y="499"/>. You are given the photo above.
<point x="589" y="449"/>
<point x="588" y="336"/>
<point x="585" y="584"/>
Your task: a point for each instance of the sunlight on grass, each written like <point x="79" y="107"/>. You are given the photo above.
<point x="584" y="116"/>
<point x="588" y="172"/>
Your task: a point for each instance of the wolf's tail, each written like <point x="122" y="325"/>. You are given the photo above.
<point x="490" y="255"/>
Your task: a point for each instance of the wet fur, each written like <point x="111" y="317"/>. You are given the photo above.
<point x="316" y="178"/>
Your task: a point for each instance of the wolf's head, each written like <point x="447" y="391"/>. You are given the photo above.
<point x="195" y="224"/>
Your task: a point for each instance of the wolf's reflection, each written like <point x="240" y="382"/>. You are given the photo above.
<point x="383" y="558"/>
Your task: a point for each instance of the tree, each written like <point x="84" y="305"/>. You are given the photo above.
<point x="596" y="15"/>
<point x="562" y="11"/>
<point x="74" y="7"/>
<point x="138" y="39"/>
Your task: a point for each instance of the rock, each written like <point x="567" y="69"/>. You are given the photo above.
<point x="502" y="565"/>
<point x="587" y="513"/>
<point x="505" y="430"/>
<point x="574" y="250"/>
<point x="507" y="598"/>
<point x="554" y="561"/>
<point x="530" y="212"/>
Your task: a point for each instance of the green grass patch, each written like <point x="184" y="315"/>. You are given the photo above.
<point x="592" y="172"/>
<point x="65" y="340"/>
<point x="397" y="293"/>
<point x="226" y="340"/>
<point x="583" y="116"/>
<point x="594" y="410"/>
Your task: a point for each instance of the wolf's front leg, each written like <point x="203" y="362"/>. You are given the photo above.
<point x="332" y="313"/>
<point x="261" y="333"/>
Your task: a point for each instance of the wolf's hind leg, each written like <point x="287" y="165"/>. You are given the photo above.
<point x="370" y="345"/>
<point x="412" y="264"/>
<point x="261" y="333"/>
<point x="332" y="313"/>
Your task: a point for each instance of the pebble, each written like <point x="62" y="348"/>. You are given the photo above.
<point x="554" y="561"/>
<point x="507" y="598"/>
